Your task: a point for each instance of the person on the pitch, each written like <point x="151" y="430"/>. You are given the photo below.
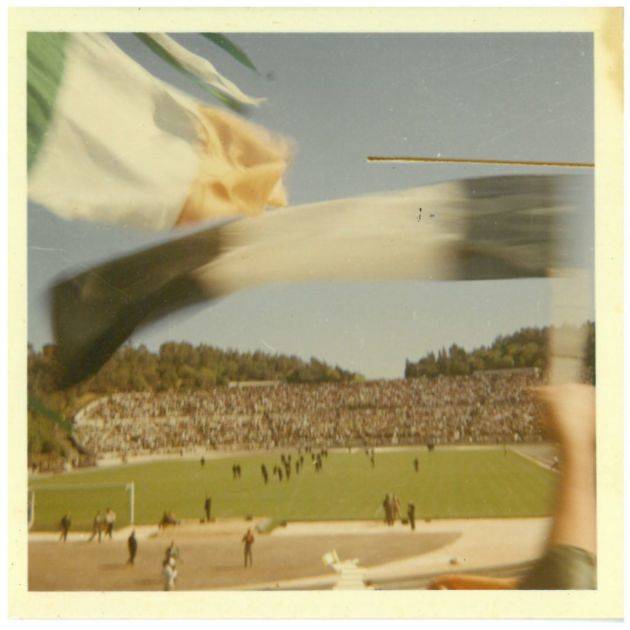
<point x="265" y="474"/>
<point x="395" y="508"/>
<point x="416" y="464"/>
<point x="170" y="574"/>
<point x="132" y="547"/>
<point x="97" y="527"/>
<point x="172" y="552"/>
<point x="387" y="508"/>
<point x="411" y="515"/>
<point x="207" y="505"/>
<point x="65" y="527"/>
<point x="248" y="541"/>
<point x="110" y="521"/>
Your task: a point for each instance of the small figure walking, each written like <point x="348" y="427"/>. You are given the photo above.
<point x="416" y="464"/>
<point x="97" y="527"/>
<point x="65" y="527"/>
<point x="132" y="547"/>
<point x="248" y="541"/>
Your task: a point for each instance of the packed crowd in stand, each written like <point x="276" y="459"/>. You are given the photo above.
<point x="481" y="408"/>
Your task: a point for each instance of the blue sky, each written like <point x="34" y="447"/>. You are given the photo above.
<point x="341" y="98"/>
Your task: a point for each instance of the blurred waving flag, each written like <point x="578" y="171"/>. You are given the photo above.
<point x="471" y="229"/>
<point x="109" y="142"/>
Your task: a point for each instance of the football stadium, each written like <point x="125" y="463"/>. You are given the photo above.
<point x="396" y="481"/>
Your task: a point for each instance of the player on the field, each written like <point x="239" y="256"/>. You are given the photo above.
<point x="395" y="508"/>
<point x="110" y="520"/>
<point x="248" y="541"/>
<point x="97" y="527"/>
<point x="65" y="527"/>
<point x="411" y="515"/>
<point x="416" y="464"/>
<point x="265" y="474"/>
<point x="172" y="552"/>
<point x="387" y="507"/>
<point x="132" y="547"/>
<point x="207" y="505"/>
<point x="170" y="573"/>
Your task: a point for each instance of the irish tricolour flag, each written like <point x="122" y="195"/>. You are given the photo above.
<point x="109" y="142"/>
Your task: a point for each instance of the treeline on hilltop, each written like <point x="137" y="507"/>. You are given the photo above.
<point x="526" y="348"/>
<point x="179" y="367"/>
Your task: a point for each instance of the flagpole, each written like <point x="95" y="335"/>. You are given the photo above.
<point x="446" y="160"/>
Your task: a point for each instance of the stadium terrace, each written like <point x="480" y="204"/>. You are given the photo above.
<point x="483" y="408"/>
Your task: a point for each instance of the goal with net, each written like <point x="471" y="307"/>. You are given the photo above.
<point x="47" y="504"/>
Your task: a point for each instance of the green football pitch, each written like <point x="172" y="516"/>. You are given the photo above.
<point x="450" y="483"/>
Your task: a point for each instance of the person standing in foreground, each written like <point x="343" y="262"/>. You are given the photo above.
<point x="65" y="527"/>
<point x="169" y="573"/>
<point x="110" y="520"/>
<point x="569" y="562"/>
<point x="132" y="547"/>
<point x="207" y="505"/>
<point x="248" y="541"/>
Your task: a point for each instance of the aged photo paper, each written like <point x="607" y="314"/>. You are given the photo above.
<point x="315" y="313"/>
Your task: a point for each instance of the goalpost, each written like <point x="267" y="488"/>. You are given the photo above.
<point x="81" y="501"/>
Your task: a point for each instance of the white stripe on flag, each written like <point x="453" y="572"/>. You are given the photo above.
<point x="202" y="69"/>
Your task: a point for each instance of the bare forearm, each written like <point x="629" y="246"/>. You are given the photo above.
<point x="574" y="522"/>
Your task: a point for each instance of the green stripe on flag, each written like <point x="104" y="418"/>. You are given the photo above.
<point x="231" y="48"/>
<point x="46" y="60"/>
<point x="166" y="56"/>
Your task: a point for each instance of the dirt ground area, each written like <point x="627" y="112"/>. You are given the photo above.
<point x="213" y="561"/>
<point x="288" y="558"/>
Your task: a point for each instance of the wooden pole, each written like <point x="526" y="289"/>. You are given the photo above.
<point x="441" y="160"/>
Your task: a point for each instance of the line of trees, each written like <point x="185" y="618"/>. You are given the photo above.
<point x="526" y="348"/>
